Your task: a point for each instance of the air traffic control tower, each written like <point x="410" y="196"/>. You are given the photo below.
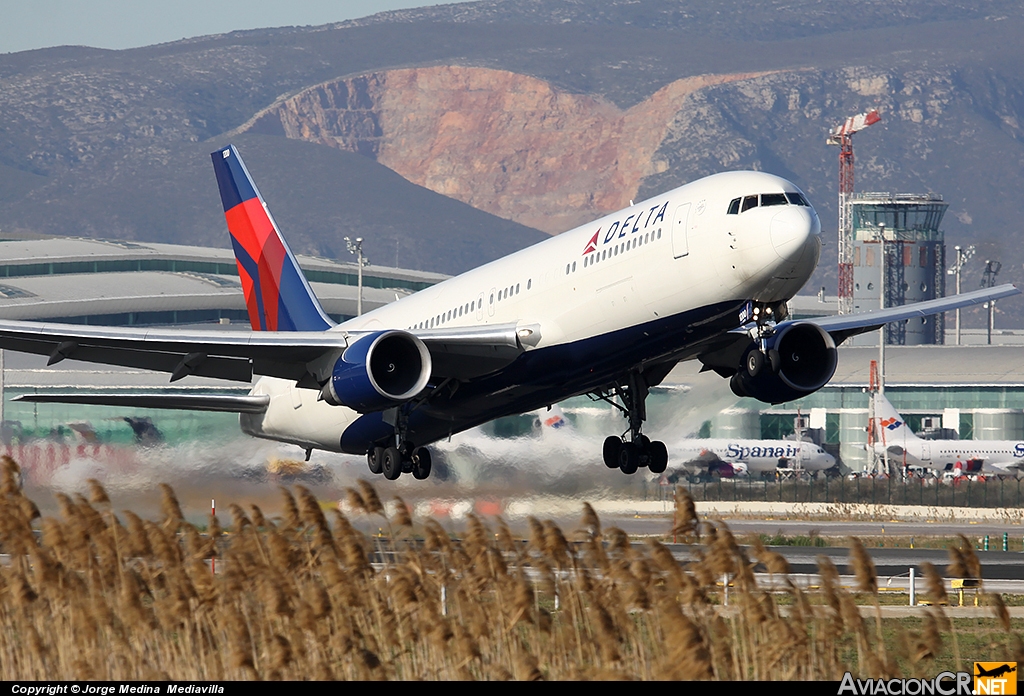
<point x="899" y="252"/>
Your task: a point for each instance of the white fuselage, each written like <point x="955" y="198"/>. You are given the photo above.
<point x="752" y="456"/>
<point x="969" y="456"/>
<point x="663" y="257"/>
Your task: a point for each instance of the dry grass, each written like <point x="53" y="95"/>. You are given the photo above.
<point x="94" y="595"/>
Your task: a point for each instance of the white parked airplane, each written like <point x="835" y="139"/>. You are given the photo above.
<point x="892" y="434"/>
<point x="738" y="458"/>
<point x="701" y="272"/>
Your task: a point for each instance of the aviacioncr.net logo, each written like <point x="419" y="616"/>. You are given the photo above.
<point x="945" y="684"/>
<point x="995" y="678"/>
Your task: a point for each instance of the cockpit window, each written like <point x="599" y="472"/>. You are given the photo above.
<point x="741" y="205"/>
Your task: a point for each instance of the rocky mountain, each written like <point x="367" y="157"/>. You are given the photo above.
<point x="444" y="134"/>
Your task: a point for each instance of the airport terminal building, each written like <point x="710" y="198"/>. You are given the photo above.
<point x="117" y="283"/>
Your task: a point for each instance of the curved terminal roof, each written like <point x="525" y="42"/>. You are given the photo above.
<point x="933" y="366"/>
<point x="118" y="283"/>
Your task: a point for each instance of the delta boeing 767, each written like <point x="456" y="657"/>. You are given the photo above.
<point x="607" y="309"/>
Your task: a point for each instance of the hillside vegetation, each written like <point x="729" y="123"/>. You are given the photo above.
<point x="539" y="114"/>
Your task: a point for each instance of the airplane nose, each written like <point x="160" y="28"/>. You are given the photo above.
<point x="792" y="229"/>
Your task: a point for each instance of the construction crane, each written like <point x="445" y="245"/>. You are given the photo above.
<point x="842" y="136"/>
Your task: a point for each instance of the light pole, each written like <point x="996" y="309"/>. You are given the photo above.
<point x="882" y="270"/>
<point x="992" y="269"/>
<point x="882" y="463"/>
<point x="356" y="248"/>
<point x="962" y="256"/>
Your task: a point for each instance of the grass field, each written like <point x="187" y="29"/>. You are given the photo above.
<point x="99" y="595"/>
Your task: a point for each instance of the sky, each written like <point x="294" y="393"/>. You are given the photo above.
<point x="132" y="23"/>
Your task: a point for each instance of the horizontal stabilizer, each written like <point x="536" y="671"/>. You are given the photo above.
<point x="179" y="402"/>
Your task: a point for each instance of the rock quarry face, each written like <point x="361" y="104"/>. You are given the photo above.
<point x="520" y="148"/>
<point x="506" y="143"/>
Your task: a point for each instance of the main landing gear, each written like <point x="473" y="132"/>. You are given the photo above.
<point x="638" y="451"/>
<point x="404" y="459"/>
<point x="394" y="461"/>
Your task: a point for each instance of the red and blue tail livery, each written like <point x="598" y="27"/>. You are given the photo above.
<point x="276" y="293"/>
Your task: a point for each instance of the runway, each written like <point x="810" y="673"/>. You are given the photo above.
<point x="894" y="528"/>
<point x="889" y="562"/>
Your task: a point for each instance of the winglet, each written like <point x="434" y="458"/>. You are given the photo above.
<point x="277" y="295"/>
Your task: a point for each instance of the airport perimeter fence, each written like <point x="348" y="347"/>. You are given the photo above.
<point x="994" y="492"/>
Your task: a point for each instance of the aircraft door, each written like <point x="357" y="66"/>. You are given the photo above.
<point x="490" y="303"/>
<point x="926" y="451"/>
<point x="480" y="307"/>
<point x="680" y="226"/>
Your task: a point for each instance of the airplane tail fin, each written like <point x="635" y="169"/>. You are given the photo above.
<point x="891" y="426"/>
<point x="277" y="295"/>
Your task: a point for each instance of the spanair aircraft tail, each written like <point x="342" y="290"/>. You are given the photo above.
<point x="276" y="293"/>
<point x="891" y="426"/>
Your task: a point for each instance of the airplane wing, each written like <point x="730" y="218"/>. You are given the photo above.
<point x="461" y="353"/>
<point x="843" y="326"/>
<point x="229" y="403"/>
<point x="725" y="353"/>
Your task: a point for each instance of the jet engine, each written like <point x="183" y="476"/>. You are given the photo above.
<point x="378" y="371"/>
<point x="800" y="359"/>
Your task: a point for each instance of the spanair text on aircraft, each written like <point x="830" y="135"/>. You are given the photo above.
<point x="701" y="272"/>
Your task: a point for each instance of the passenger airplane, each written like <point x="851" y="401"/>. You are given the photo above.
<point x="607" y="309"/>
<point x="967" y="456"/>
<point x="737" y="458"/>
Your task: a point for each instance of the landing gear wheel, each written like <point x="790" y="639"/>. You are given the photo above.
<point x="391" y="463"/>
<point x="643" y="447"/>
<point x="612" y="445"/>
<point x="659" y="457"/>
<point x="421" y="463"/>
<point x="629" y="458"/>
<point x="373" y="459"/>
<point x="754" y="362"/>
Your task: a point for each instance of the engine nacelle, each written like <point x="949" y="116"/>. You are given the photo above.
<point x="801" y="360"/>
<point x="378" y="371"/>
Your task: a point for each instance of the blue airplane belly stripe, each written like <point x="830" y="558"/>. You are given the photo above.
<point x="576" y="367"/>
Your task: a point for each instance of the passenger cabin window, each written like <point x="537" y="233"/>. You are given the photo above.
<point x="768" y="199"/>
<point x="734" y="207"/>
<point x="748" y="203"/>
